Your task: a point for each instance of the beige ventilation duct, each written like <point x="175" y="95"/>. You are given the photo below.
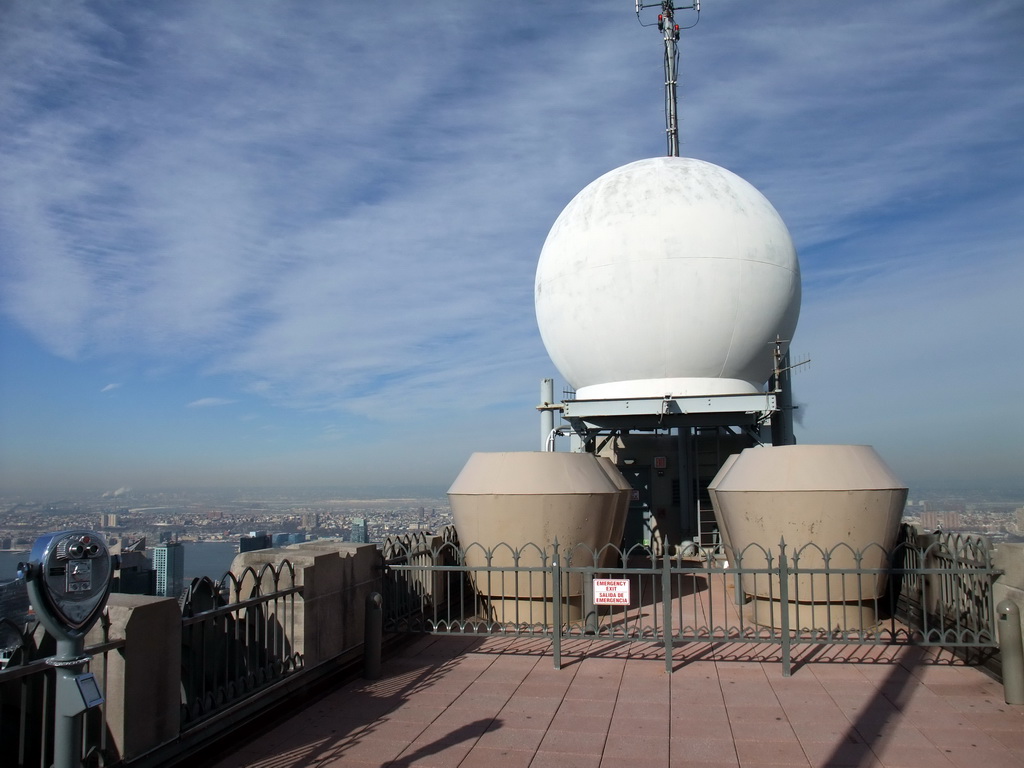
<point x="508" y="502"/>
<point x="818" y="498"/>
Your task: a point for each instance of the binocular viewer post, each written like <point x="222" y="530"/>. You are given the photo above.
<point x="68" y="580"/>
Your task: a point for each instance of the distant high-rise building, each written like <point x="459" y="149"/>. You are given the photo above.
<point x="360" y="531"/>
<point x="169" y="564"/>
<point x="136" y="576"/>
<point x="310" y="521"/>
<point x="255" y="540"/>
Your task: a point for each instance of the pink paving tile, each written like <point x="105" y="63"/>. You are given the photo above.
<point x="811" y="731"/>
<point x="635" y="750"/>
<point x="755" y="688"/>
<point x="904" y="756"/>
<point x="869" y="710"/>
<point x="694" y="672"/>
<point x="805" y="699"/>
<point x="898" y="732"/>
<point x="714" y="715"/>
<point x="960" y="738"/>
<point x="556" y="678"/>
<point x="591" y="707"/>
<point x="435" y="754"/>
<point x="753" y="753"/>
<point x="572" y="742"/>
<point x="703" y="749"/>
<point x="299" y="741"/>
<point x="596" y="665"/>
<point x="849" y="688"/>
<point x="979" y="757"/>
<point x="805" y="686"/>
<point x="484" y="757"/>
<point x="826" y="711"/>
<point x="982" y="708"/>
<point x="429" y="699"/>
<point x="646" y="667"/>
<point x="415" y="712"/>
<point x="541" y="690"/>
<point x="650" y="726"/>
<point x="822" y="755"/>
<point x="688" y="730"/>
<point x="541" y="705"/>
<point x="758" y="697"/>
<point x="584" y="690"/>
<point x="481" y="703"/>
<point x="506" y="737"/>
<point x="362" y="707"/>
<point x="742" y="671"/>
<point x="589" y="724"/>
<point x="650" y="695"/>
<point x="699" y="707"/>
<point x="698" y="675"/>
<point x="1012" y="740"/>
<point x="762" y="730"/>
<point x="297" y="754"/>
<point x="493" y="685"/>
<point x="835" y="672"/>
<point x="398" y="730"/>
<point x="348" y="763"/>
<point x="741" y="713"/>
<point x="938" y="718"/>
<point x="463" y="720"/>
<point x="367" y="750"/>
<point x="519" y="719"/>
<point x="697" y="698"/>
<point x="545" y="759"/>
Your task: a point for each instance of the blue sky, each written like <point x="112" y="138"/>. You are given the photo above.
<point x="247" y="243"/>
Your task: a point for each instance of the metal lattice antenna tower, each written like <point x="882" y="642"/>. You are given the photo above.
<point x="670" y="34"/>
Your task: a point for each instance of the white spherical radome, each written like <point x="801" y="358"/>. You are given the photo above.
<point x="667" y="276"/>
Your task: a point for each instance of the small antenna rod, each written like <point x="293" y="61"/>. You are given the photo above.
<point x="667" y="22"/>
<point x="670" y="32"/>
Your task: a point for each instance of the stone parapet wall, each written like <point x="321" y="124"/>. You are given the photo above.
<point x="142" y="680"/>
<point x="1009" y="558"/>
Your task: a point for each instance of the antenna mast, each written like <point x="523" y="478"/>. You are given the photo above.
<point x="670" y="32"/>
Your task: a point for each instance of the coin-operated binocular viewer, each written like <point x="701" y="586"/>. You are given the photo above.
<point x="68" y="580"/>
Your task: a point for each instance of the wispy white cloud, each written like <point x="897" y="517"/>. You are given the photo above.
<point x="111" y="387"/>
<point x="210" y="402"/>
<point x="289" y="199"/>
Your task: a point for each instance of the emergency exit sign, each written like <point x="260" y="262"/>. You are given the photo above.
<point x="611" y="591"/>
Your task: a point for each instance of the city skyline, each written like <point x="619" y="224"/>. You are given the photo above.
<point x="261" y="245"/>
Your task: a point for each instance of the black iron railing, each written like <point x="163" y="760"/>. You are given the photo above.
<point x="927" y="590"/>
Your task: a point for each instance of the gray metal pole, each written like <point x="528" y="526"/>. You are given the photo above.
<point x="787" y="661"/>
<point x="782" y="420"/>
<point x="589" y="609"/>
<point x="1011" y="651"/>
<point x="671" y="98"/>
<point x="556" y="606"/>
<point x="67" y="721"/>
<point x="547" y="415"/>
<point x="373" y="636"/>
